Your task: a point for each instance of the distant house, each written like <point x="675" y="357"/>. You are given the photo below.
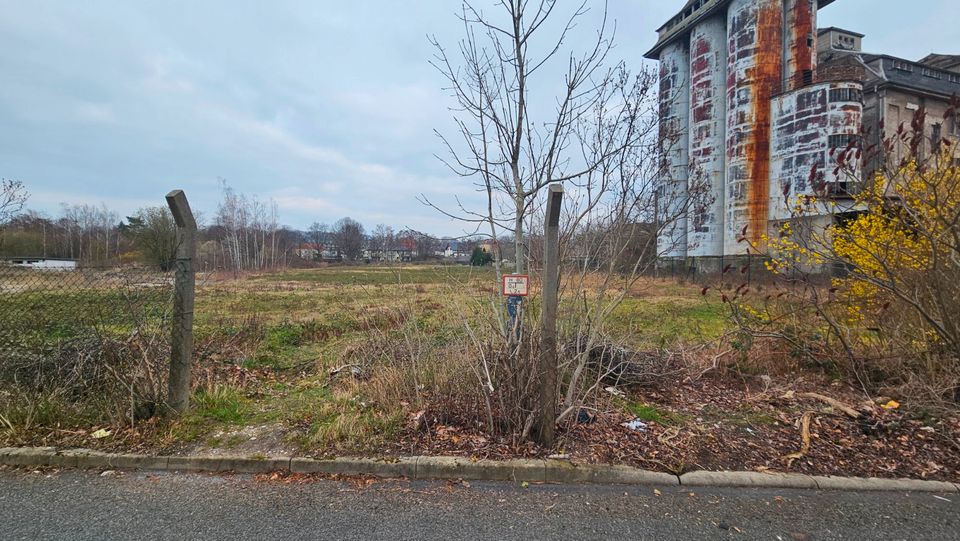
<point x="453" y="249"/>
<point x="400" y="254"/>
<point x="325" y="251"/>
<point x="307" y="251"/>
<point x="43" y="263"/>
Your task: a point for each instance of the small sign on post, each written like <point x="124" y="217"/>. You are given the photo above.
<point x="515" y="285"/>
<point x="515" y="288"/>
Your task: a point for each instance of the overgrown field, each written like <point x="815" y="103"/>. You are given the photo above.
<point x="348" y="355"/>
<point x="266" y="345"/>
<point x="386" y="361"/>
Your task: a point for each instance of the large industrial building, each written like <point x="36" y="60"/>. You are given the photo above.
<point x="753" y="97"/>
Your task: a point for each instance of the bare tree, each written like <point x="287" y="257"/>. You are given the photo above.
<point x="603" y="140"/>
<point x="382" y="240"/>
<point x="12" y="198"/>
<point x="317" y="235"/>
<point x="349" y="237"/>
<point x="250" y="235"/>
<point x="13" y="195"/>
<point x="511" y="155"/>
<point x="88" y="233"/>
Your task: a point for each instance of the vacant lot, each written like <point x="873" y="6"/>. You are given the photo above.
<point x="336" y="351"/>
<point x="381" y="361"/>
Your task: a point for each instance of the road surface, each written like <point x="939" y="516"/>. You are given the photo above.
<point x="144" y="505"/>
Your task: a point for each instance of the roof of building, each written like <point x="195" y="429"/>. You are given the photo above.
<point x="692" y="12"/>
<point x="838" y="29"/>
<point x="949" y="62"/>
<point x="906" y="74"/>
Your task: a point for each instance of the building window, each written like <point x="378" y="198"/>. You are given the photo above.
<point x="955" y="124"/>
<point x="843" y="140"/>
<point x="847" y="43"/>
<point x="846" y="94"/>
<point x="935" y="134"/>
<point x="808" y="77"/>
<point x="902" y="66"/>
<point x="933" y="74"/>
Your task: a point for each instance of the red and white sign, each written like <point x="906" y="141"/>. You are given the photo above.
<point x="515" y="285"/>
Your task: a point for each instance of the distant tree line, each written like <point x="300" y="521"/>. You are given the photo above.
<point x="244" y="235"/>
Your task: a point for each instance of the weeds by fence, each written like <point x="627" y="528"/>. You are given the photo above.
<point x="83" y="345"/>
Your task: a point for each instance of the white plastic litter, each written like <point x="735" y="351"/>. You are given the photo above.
<point x="636" y="424"/>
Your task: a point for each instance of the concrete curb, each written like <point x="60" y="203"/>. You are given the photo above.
<point x="446" y="467"/>
<point x="873" y="483"/>
<point x="747" y="479"/>
<point x="449" y="467"/>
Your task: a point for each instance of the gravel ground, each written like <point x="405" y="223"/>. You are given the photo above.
<point x="144" y="505"/>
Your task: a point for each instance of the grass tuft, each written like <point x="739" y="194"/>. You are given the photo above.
<point x="653" y="414"/>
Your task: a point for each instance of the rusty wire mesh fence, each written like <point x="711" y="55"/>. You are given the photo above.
<point x="90" y="342"/>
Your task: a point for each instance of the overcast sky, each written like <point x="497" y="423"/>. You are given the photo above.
<point x="326" y="107"/>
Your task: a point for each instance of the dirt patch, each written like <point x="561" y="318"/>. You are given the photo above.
<point x="257" y="440"/>
<point x="728" y="423"/>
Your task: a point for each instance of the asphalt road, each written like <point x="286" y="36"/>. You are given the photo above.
<point x="141" y="505"/>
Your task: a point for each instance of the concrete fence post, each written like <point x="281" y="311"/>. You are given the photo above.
<point x="181" y="338"/>
<point x="548" y="342"/>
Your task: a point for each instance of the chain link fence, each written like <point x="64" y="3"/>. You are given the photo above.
<point x="92" y="343"/>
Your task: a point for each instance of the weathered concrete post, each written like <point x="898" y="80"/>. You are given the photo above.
<point x="181" y="339"/>
<point x="548" y="322"/>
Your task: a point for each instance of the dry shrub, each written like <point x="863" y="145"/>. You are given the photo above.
<point x="793" y="328"/>
<point x="616" y="365"/>
<point x="405" y="365"/>
<point x="924" y="378"/>
<point x="215" y="355"/>
<point x="85" y="379"/>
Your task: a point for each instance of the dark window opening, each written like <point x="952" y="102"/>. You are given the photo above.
<point x="808" y="77"/>
<point x="843" y="140"/>
<point x="846" y="94"/>
<point x="841" y="188"/>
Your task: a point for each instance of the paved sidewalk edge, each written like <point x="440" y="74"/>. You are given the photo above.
<point x="446" y="467"/>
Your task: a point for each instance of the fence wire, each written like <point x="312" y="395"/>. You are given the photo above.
<point x="86" y="332"/>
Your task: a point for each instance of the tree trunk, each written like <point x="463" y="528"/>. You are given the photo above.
<point x="518" y="237"/>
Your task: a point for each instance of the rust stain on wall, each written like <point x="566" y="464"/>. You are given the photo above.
<point x="700" y="80"/>
<point x="765" y="79"/>
<point x="801" y="44"/>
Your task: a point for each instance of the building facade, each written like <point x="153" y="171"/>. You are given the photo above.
<point x="746" y="123"/>
<point x="756" y="104"/>
<point x="894" y="90"/>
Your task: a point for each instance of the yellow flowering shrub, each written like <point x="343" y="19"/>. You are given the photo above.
<point x="899" y="247"/>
